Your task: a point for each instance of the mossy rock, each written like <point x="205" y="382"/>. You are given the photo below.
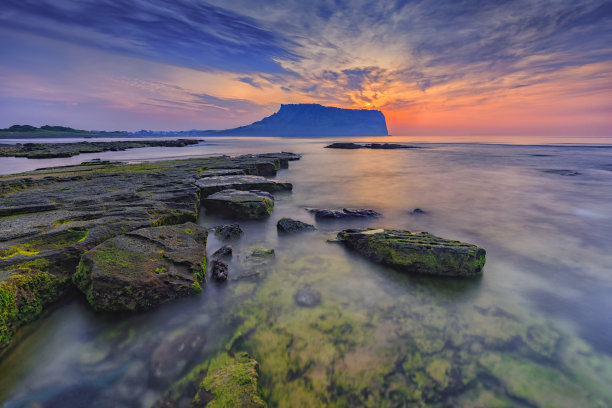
<point x="23" y="296"/>
<point x="149" y="266"/>
<point x="237" y="204"/>
<point x="418" y="252"/>
<point x="223" y="381"/>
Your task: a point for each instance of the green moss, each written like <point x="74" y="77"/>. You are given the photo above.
<point x="23" y="297"/>
<point x="196" y="286"/>
<point x="173" y="218"/>
<point x="47" y="242"/>
<point x="232" y="381"/>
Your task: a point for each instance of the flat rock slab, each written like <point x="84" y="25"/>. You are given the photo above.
<point x="221" y="172"/>
<point x="418" y="252"/>
<point x="211" y="185"/>
<point x="344" y="213"/>
<point x="237" y="204"/>
<point x="139" y="270"/>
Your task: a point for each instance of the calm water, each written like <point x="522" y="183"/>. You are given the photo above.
<point x="535" y="330"/>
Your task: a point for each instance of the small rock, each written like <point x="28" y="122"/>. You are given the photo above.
<point x="228" y="232"/>
<point x="220" y="270"/>
<point x="291" y="225"/>
<point x="224" y="252"/>
<point x="344" y="213"/>
<point x="262" y="253"/>
<point x="418" y="211"/>
<point x="307" y="297"/>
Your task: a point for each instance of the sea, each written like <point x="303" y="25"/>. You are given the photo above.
<point x="534" y="330"/>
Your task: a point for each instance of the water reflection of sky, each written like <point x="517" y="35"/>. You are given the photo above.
<point x="547" y="231"/>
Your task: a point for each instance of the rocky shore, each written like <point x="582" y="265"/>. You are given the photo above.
<point x="52" y="150"/>
<point x="123" y="234"/>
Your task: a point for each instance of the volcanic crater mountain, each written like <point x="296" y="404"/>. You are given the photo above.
<point x="294" y="120"/>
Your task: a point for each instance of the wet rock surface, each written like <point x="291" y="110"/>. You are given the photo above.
<point x="238" y="204"/>
<point x="50" y="150"/>
<point x="220" y="270"/>
<point x="213" y="184"/>
<point x="291" y="225"/>
<point x="418" y="252"/>
<point x="344" y="213"/>
<point x="383" y="146"/>
<point x="144" y="268"/>
<point x="50" y="217"/>
<point x="228" y="232"/>
<point x="225" y="251"/>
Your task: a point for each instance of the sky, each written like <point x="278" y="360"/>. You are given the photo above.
<point x="434" y="67"/>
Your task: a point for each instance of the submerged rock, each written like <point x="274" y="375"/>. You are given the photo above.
<point x="344" y="213"/>
<point x="253" y="204"/>
<point x="171" y="357"/>
<point x="213" y="184"/>
<point x="220" y="270"/>
<point x="418" y="211"/>
<point x="149" y="266"/>
<point x="224" y="252"/>
<point x="307" y="297"/>
<point x="291" y="225"/>
<point x="223" y="381"/>
<point x="418" y="252"/>
<point x="262" y="253"/>
<point x="228" y="232"/>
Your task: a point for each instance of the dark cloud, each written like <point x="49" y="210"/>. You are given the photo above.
<point x="180" y="32"/>
<point x="251" y="81"/>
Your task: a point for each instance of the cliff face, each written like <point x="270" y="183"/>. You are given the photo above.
<point x="315" y="120"/>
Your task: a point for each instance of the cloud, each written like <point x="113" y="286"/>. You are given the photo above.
<point x="181" y="32"/>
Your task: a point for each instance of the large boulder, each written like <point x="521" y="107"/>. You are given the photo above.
<point x="418" y="252"/>
<point x="149" y="266"/>
<point x="210" y="185"/>
<point x="237" y="204"/>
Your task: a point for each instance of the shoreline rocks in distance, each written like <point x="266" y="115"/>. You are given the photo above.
<point x="375" y="146"/>
<point x="418" y="252"/>
<point x="55" y="150"/>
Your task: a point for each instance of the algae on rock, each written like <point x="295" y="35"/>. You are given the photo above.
<point x="139" y="270"/>
<point x="418" y="252"/>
